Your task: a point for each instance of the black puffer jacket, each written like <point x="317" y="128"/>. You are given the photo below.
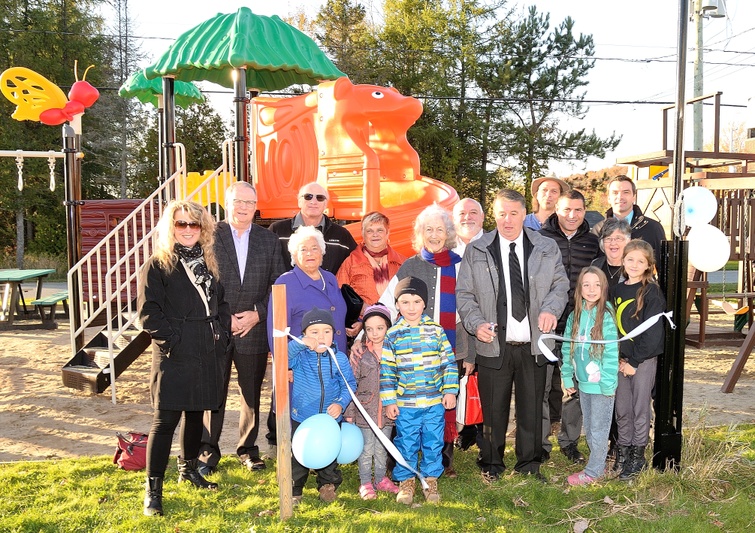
<point x="576" y="253"/>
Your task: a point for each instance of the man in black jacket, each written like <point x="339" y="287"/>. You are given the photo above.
<point x="250" y="261"/>
<point x="568" y="227"/>
<point x="622" y="195"/>
<point x="313" y="199"/>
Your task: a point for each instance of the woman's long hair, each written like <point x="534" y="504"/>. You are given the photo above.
<point x="166" y="240"/>
<point x="648" y="276"/>
<point x="601" y="306"/>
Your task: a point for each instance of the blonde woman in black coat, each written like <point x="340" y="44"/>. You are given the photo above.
<point x="183" y="309"/>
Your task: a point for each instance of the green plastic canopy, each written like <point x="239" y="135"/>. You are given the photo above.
<point x="276" y="55"/>
<point x="137" y="86"/>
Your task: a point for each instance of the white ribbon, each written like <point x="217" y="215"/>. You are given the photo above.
<point x="647" y="324"/>
<point x="373" y="426"/>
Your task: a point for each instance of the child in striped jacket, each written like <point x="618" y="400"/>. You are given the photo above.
<point x="418" y="381"/>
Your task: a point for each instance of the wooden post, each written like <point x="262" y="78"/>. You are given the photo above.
<point x="282" y="408"/>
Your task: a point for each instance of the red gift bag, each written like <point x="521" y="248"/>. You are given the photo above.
<point x="131" y="452"/>
<point x="473" y="414"/>
<point x="468" y="406"/>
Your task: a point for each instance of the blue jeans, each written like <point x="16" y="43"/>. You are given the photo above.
<point x="373" y="451"/>
<point x="420" y="429"/>
<point x="597" y="411"/>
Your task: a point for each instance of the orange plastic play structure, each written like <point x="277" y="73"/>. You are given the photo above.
<point x="352" y="140"/>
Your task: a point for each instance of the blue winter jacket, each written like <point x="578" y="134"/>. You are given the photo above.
<point x="317" y="382"/>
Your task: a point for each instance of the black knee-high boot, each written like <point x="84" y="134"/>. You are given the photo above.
<point x="153" y="496"/>
<point x="187" y="471"/>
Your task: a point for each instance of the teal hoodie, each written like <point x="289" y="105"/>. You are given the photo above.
<point x="577" y="356"/>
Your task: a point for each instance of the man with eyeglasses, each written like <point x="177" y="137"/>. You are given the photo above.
<point x="249" y="260"/>
<point x="313" y="199"/>
<point x="622" y="196"/>
<point x="568" y="227"/>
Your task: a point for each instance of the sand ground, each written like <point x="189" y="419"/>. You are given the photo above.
<point x="43" y="419"/>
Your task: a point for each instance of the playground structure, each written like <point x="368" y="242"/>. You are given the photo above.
<point x="734" y="188"/>
<point x="349" y="138"/>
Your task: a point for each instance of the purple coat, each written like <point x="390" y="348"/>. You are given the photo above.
<point x="302" y="294"/>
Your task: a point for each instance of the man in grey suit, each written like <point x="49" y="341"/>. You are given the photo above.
<point x="250" y="260"/>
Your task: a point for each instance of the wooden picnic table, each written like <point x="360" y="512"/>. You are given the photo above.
<point x="13" y="304"/>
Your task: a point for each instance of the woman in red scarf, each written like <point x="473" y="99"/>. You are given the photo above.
<point x="371" y="266"/>
<point x="437" y="265"/>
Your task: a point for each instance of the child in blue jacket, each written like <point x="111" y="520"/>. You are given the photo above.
<point x="596" y="366"/>
<point x="318" y="387"/>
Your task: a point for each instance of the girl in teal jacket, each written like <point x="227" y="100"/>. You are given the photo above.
<point x="596" y="366"/>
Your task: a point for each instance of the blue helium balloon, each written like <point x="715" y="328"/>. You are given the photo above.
<point x="317" y="441"/>
<point x="352" y="444"/>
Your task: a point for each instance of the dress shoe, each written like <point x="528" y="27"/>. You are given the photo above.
<point x="573" y="454"/>
<point x="252" y="463"/>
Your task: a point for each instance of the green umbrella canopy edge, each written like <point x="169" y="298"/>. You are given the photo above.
<point x="275" y="54"/>
<point x="137" y="86"/>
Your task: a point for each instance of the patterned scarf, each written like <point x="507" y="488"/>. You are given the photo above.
<point x="194" y="259"/>
<point x="446" y="259"/>
<point x="380" y="273"/>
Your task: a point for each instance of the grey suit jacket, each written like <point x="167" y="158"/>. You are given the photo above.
<point x="264" y="263"/>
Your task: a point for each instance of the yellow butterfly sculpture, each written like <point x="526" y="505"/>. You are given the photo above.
<point x="39" y="99"/>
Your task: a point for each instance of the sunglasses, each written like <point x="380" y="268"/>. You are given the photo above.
<point x="182" y="224"/>
<point x="320" y="197"/>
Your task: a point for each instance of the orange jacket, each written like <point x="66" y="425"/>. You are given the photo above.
<point x="356" y="270"/>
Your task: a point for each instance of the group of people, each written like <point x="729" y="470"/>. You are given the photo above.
<point x="468" y="301"/>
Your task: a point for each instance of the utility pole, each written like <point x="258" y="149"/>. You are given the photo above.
<point x="701" y="9"/>
<point x="697" y="88"/>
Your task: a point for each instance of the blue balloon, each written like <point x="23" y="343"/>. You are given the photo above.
<point x="317" y="441"/>
<point x="352" y="443"/>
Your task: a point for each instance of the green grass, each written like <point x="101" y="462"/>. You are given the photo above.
<point x="714" y="490"/>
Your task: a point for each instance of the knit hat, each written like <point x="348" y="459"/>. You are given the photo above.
<point x="377" y="310"/>
<point x="316" y="316"/>
<point x="412" y="285"/>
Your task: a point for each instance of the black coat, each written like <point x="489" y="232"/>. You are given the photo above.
<point x="338" y="243"/>
<point x="576" y="253"/>
<point x="187" y="371"/>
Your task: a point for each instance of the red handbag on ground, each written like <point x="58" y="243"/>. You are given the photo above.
<point x="131" y="452"/>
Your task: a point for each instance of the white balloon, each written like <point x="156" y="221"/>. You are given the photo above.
<point x="700" y="206"/>
<point x="708" y="248"/>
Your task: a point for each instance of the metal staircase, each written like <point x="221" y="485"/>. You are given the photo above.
<point x="106" y="338"/>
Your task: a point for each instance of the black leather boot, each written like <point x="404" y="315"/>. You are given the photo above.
<point x="448" y="460"/>
<point x="635" y="464"/>
<point x="153" y="496"/>
<point x="187" y="471"/>
<point x="622" y="455"/>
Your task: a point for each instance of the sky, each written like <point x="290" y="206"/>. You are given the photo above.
<point x="635" y="51"/>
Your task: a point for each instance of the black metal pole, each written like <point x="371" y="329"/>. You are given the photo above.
<point x="169" y="132"/>
<point x="241" y="140"/>
<point x="667" y="446"/>
<point x="160" y="140"/>
<point x="72" y="175"/>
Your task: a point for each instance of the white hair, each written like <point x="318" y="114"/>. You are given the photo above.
<point x="302" y="234"/>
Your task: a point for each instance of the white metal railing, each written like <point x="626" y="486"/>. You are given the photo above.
<point x="107" y="277"/>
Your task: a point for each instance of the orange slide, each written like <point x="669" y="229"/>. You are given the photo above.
<point x="352" y="140"/>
